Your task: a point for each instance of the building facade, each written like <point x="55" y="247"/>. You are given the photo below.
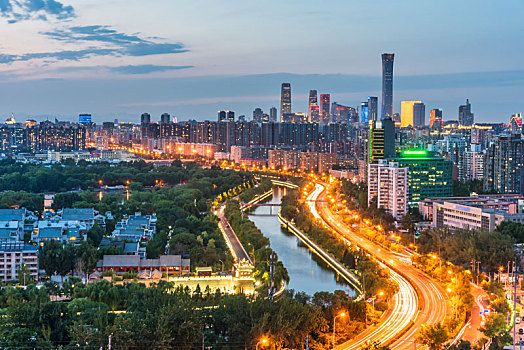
<point x="388" y="185"/>
<point x="387" y="85"/>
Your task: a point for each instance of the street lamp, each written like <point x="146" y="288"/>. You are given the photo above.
<point x="454" y="300"/>
<point x="342" y="314"/>
<point x="262" y="341"/>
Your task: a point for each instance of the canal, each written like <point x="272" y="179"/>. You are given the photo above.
<point x="307" y="272"/>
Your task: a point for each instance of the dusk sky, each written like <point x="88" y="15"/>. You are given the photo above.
<point x="120" y="58"/>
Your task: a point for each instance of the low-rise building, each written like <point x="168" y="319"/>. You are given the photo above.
<point x="59" y="230"/>
<point x="12" y="255"/>
<point x="477" y="212"/>
<point x="171" y="265"/>
<point x="83" y="215"/>
<point x="135" y="228"/>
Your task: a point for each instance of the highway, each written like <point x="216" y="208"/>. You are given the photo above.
<point x="409" y="311"/>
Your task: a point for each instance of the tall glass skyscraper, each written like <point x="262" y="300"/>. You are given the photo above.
<point x="387" y="85"/>
<point x="312" y="110"/>
<point x="324" y="108"/>
<point x="364" y="112"/>
<point x="373" y="107"/>
<point x="285" y="100"/>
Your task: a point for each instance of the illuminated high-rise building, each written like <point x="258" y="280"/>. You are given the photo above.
<point x="406" y="113"/>
<point x="258" y="113"/>
<point x="381" y="139"/>
<point x="465" y="116"/>
<point x="387" y="85"/>
<point x="373" y="108"/>
<point x="84" y="118"/>
<point x="324" y="108"/>
<point x="364" y="112"/>
<point x="285" y="99"/>
<point x="504" y="165"/>
<point x="312" y="111"/>
<point x="230" y="116"/>
<point x="435" y="118"/>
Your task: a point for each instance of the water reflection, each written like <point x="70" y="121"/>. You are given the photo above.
<point x="307" y="272"/>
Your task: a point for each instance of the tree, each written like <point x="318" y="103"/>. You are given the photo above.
<point x="433" y="336"/>
<point x="95" y="235"/>
<point x="86" y="258"/>
<point x="49" y="257"/>
<point x="23" y="273"/>
<point x="66" y="260"/>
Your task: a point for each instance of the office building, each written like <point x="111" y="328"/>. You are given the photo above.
<point x="84" y="119"/>
<point x="429" y="175"/>
<point x="14" y="254"/>
<point x="387" y="85"/>
<point x="313" y="109"/>
<point x="435" y="119"/>
<point x="504" y="165"/>
<point x="478" y="212"/>
<point x="145" y="118"/>
<point x="258" y="114"/>
<point x="221" y="116"/>
<point x="324" y="108"/>
<point x="381" y="139"/>
<point x="419" y="115"/>
<point x="273" y="115"/>
<point x="465" y="117"/>
<point x="388" y="186"/>
<point x="230" y="116"/>
<point x="406" y="113"/>
<point x="364" y="112"/>
<point x="339" y="113"/>
<point x="285" y="99"/>
<point x="372" y="108"/>
<point x="165" y="118"/>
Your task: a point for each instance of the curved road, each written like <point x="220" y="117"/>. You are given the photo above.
<point x="408" y="310"/>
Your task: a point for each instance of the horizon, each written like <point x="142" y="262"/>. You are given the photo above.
<point x="63" y="58"/>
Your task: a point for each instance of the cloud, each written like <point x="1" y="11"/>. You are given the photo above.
<point x="19" y="10"/>
<point x="109" y="42"/>
<point x="145" y="69"/>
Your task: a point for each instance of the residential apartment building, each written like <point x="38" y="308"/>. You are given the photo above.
<point x="388" y="185"/>
<point x="12" y="255"/>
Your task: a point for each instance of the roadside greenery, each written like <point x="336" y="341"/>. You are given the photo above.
<point x="375" y="278"/>
<point x="162" y="317"/>
<point x="256" y="246"/>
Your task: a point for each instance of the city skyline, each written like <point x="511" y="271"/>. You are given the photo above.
<point x="77" y="58"/>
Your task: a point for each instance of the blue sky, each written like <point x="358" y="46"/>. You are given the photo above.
<point x="119" y="58"/>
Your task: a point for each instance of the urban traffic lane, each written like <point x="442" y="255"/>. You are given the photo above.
<point x="431" y="309"/>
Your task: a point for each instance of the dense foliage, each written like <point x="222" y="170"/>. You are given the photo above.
<point x="162" y="317"/>
<point x="461" y="247"/>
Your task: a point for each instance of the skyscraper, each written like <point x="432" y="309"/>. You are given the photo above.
<point x="435" y="118"/>
<point x="504" y="165"/>
<point x="465" y="116"/>
<point x="285" y="99"/>
<point x="373" y="108"/>
<point x="273" y="114"/>
<point x="387" y="85"/>
<point x="145" y="118"/>
<point x="388" y="185"/>
<point x="419" y="114"/>
<point x="381" y="139"/>
<point x="82" y="119"/>
<point x="230" y="116"/>
<point x="258" y="113"/>
<point x="221" y="116"/>
<point x="324" y="108"/>
<point x="406" y="113"/>
<point x="165" y="118"/>
<point x="313" y="102"/>
<point x="364" y="112"/>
